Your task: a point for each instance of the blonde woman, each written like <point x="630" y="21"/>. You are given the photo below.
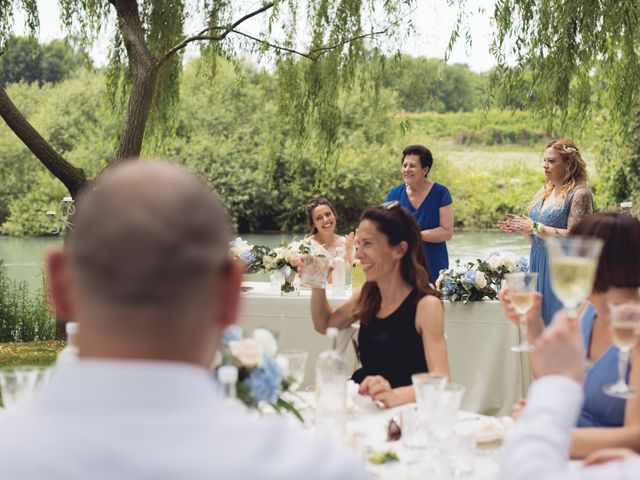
<point x="555" y="209"/>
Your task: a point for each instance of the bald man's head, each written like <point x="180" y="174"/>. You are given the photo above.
<point x="147" y="235"/>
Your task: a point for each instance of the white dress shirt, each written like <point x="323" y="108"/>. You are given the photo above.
<point x="155" y="420"/>
<point x="538" y="447"/>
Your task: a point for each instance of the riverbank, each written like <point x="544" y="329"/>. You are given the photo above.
<point x="23" y="256"/>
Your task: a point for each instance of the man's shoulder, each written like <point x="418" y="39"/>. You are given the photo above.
<point x="289" y="449"/>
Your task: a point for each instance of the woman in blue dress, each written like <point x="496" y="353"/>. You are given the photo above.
<point x="430" y="204"/>
<point x="556" y="208"/>
<point x="604" y="421"/>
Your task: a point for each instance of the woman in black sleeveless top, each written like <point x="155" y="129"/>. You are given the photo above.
<point x="400" y="312"/>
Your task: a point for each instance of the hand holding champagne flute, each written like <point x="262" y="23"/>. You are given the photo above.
<point x="522" y="287"/>
<point x="573" y="262"/>
<point x="625" y="332"/>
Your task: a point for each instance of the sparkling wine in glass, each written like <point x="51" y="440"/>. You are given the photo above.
<point x="573" y="262"/>
<point x="522" y="286"/>
<point x="625" y="324"/>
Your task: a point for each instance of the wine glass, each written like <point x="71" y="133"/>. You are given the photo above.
<point x="296" y="361"/>
<point x="625" y="322"/>
<point x="573" y="262"/>
<point x="18" y="385"/>
<point x="522" y="286"/>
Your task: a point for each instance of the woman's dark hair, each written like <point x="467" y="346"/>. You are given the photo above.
<point x="311" y="206"/>
<point x="398" y="225"/>
<point x="426" y="159"/>
<point x="619" y="264"/>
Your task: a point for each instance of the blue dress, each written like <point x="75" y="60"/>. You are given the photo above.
<point x="599" y="409"/>
<point x="555" y="216"/>
<point x="428" y="216"/>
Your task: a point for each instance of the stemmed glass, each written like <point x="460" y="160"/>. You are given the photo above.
<point x="573" y="261"/>
<point x="625" y="325"/>
<point x="18" y="385"/>
<point x="522" y="286"/>
<point x="296" y="361"/>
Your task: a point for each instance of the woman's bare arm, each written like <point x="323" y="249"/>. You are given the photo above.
<point x="442" y="232"/>
<point x="587" y="440"/>
<point x="430" y="326"/>
<point x="324" y="316"/>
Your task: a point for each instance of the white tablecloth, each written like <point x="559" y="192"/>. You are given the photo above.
<point x="370" y="425"/>
<point x="478" y="341"/>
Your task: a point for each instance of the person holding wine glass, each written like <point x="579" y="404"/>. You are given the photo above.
<point x="617" y="279"/>
<point x="521" y="294"/>
<point x="555" y="209"/>
<point x="400" y="312"/>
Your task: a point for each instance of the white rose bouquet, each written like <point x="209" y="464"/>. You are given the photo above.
<point x="286" y="259"/>
<point x="478" y="280"/>
<point x="251" y="255"/>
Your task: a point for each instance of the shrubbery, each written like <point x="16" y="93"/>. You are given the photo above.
<point x="24" y="315"/>
<point x="227" y="130"/>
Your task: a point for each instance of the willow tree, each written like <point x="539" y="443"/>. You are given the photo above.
<point x="581" y="57"/>
<point x="316" y="45"/>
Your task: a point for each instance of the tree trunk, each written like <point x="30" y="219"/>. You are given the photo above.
<point x="138" y="108"/>
<point x="73" y="178"/>
<point x="144" y="72"/>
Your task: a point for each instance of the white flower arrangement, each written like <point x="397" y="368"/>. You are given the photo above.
<point x="478" y="280"/>
<point x="286" y="260"/>
<point x="262" y="376"/>
<point x="251" y="255"/>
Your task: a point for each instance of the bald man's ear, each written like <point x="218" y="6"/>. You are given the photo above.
<point x="229" y="293"/>
<point x="59" y="285"/>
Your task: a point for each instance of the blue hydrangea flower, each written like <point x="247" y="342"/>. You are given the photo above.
<point x="470" y="276"/>
<point x="264" y="381"/>
<point x="232" y="333"/>
<point x="523" y="264"/>
<point x="247" y="257"/>
<point x="449" y="287"/>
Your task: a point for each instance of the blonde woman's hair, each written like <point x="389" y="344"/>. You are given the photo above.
<point x="576" y="174"/>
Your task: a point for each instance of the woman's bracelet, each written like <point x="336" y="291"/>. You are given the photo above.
<point x="538" y="228"/>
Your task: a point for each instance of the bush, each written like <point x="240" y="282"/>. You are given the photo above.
<point x="24" y="316"/>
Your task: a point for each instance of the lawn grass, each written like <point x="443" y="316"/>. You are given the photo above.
<point x="30" y="353"/>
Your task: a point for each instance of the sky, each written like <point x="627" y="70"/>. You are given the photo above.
<point x="433" y="20"/>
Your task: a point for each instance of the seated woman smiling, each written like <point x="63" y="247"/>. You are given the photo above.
<point x="322" y="218"/>
<point x="604" y="421"/>
<point x="400" y="312"/>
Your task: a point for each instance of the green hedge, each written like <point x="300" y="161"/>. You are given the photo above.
<point x="24" y="315"/>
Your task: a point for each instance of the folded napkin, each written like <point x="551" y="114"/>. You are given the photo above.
<point x="486" y="429"/>
<point x="359" y="404"/>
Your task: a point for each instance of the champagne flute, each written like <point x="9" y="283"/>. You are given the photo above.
<point x="18" y="385"/>
<point x="625" y="322"/>
<point x="522" y="286"/>
<point x="296" y="361"/>
<point x="573" y="262"/>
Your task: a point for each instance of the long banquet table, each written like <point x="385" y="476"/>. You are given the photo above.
<point x="366" y="434"/>
<point x="478" y="339"/>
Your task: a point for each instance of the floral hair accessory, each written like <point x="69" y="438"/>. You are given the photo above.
<point x="567" y="149"/>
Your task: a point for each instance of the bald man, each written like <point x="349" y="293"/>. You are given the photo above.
<point x="145" y="272"/>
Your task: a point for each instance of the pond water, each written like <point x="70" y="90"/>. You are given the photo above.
<point x="23" y="257"/>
